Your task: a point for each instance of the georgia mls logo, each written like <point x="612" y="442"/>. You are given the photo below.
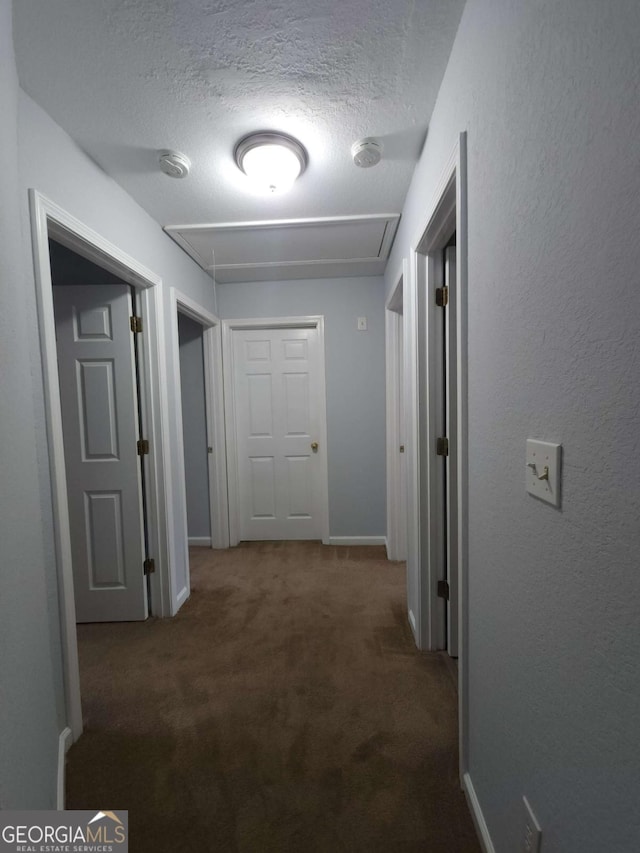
<point x="64" y="832"/>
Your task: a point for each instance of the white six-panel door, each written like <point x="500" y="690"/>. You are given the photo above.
<point x="100" y="424"/>
<point x="276" y="376"/>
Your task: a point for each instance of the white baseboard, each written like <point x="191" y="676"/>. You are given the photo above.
<point x="200" y="541"/>
<point x="65" y="739"/>
<point x="357" y="540"/>
<point x="476" y="814"/>
<point x="412" y="621"/>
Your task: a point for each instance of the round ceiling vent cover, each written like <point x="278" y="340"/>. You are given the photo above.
<point x="174" y="164"/>
<point x="366" y="153"/>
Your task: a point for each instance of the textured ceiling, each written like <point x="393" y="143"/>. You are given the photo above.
<point x="128" y="77"/>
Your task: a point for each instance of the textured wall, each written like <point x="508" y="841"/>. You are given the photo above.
<point x="48" y="160"/>
<point x="355" y="372"/>
<point x="194" y="426"/>
<point x="28" y="607"/>
<point x="549" y="95"/>
<point x="52" y="163"/>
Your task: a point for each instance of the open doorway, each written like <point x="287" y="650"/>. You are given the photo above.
<point x="396" y="437"/>
<point x="196" y="353"/>
<point x="195" y="431"/>
<point x="104" y="446"/>
<point x="437" y="425"/>
<point x="50" y="222"/>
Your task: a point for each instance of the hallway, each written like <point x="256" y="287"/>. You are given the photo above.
<point x="285" y="708"/>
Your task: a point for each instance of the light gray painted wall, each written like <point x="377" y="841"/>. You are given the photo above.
<point x="48" y="160"/>
<point x="29" y="640"/>
<point x="549" y="95"/>
<point x="194" y="426"/>
<point x="53" y="164"/>
<point x="355" y="371"/>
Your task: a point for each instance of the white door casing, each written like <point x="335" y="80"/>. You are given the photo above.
<point x="50" y="220"/>
<point x="276" y="429"/>
<point x="451" y="460"/>
<point x="446" y="214"/>
<point x="214" y="403"/>
<point x="396" y="421"/>
<point x="100" y="425"/>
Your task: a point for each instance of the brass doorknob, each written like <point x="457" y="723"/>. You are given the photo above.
<point x="314" y="446"/>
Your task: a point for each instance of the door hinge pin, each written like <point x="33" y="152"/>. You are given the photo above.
<point x="136" y="324"/>
<point x="442" y="447"/>
<point x="442" y="296"/>
<point x="149" y="566"/>
<point x="443" y="589"/>
<point x="143" y="447"/>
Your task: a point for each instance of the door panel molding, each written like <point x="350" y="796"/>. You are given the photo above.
<point x="98" y="391"/>
<point x="270" y="323"/>
<point x="50" y="220"/>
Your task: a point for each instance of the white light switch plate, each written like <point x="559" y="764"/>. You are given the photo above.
<point x="543" y="455"/>
<point x="362" y="324"/>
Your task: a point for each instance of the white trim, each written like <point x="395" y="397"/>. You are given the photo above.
<point x="65" y="739"/>
<point x="178" y="232"/>
<point x="411" y="316"/>
<point x="214" y="404"/>
<point x="447" y="213"/>
<point x="199" y="542"/>
<point x="412" y="621"/>
<point x="395" y="375"/>
<point x="48" y="219"/>
<point x="476" y="813"/>
<point x="228" y="328"/>
<point x="357" y="540"/>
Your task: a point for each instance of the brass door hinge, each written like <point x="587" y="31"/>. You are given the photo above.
<point x="442" y="296"/>
<point x="443" y="589"/>
<point x="442" y="446"/>
<point x="136" y="324"/>
<point x="143" y="447"/>
<point x="149" y="566"/>
<point x="402" y="448"/>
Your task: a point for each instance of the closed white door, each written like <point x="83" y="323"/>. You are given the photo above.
<point x="100" y="423"/>
<point x="279" y="454"/>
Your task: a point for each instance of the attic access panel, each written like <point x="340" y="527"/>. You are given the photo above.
<point x="303" y="248"/>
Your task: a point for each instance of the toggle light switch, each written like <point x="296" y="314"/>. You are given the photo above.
<point x="542" y="478"/>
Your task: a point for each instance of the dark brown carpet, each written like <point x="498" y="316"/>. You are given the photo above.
<point x="284" y="709"/>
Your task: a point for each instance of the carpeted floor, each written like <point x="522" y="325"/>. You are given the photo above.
<point x="284" y="709"/>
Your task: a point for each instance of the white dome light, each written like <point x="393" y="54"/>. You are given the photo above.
<point x="271" y="161"/>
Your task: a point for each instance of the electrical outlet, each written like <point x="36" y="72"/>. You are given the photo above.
<point x="532" y="841"/>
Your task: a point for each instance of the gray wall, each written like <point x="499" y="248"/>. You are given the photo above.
<point x="53" y="164"/>
<point x="549" y="95"/>
<point x="29" y="639"/>
<point x="194" y="426"/>
<point x="39" y="154"/>
<point x="355" y="375"/>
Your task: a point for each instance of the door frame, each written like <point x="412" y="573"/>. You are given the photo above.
<point x="228" y="328"/>
<point x="50" y="220"/>
<point x="214" y="407"/>
<point x="446" y="213"/>
<point x="395" y="386"/>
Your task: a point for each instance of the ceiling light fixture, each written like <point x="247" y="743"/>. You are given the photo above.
<point x="272" y="161"/>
